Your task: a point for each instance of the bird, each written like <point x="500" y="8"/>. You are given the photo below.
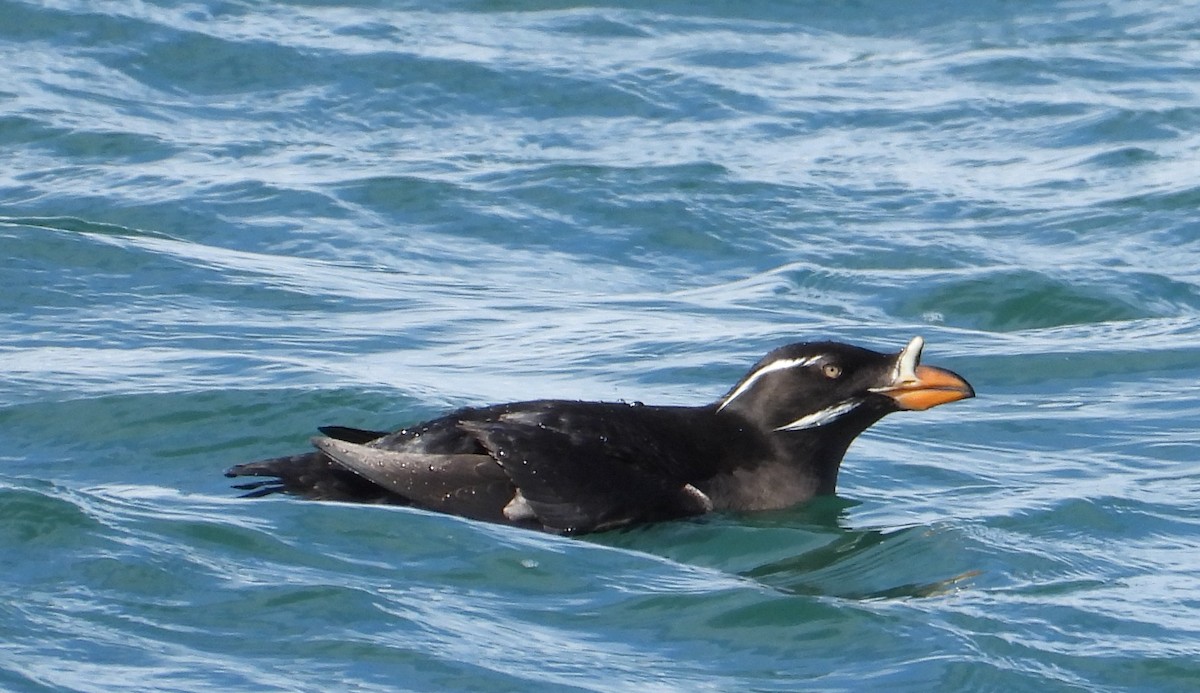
<point x="774" y="440"/>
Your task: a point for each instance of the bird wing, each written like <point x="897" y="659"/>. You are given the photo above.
<point x="576" y="483"/>
<point x="471" y="485"/>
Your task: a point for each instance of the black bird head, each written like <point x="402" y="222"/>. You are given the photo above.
<point x="838" y="389"/>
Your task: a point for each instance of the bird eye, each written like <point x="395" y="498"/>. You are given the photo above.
<point x="832" y="370"/>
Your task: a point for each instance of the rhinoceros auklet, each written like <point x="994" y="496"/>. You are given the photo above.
<point x="775" y="439"/>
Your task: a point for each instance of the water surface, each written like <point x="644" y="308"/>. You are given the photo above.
<point x="227" y="223"/>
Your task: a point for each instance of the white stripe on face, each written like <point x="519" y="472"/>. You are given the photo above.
<point x="820" y="418"/>
<point x="769" y="368"/>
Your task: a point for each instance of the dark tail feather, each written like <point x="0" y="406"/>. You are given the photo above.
<point x="351" y="435"/>
<point x="310" y="475"/>
<point x="258" y="489"/>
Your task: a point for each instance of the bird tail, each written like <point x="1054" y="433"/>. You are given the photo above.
<point x="309" y="475"/>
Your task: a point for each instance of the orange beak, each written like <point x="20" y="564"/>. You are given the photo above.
<point x="932" y="387"/>
<point x="917" y="388"/>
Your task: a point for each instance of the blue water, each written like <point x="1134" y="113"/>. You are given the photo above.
<point x="226" y="223"/>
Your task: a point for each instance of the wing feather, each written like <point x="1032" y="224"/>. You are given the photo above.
<point x="575" y="484"/>
<point x="462" y="484"/>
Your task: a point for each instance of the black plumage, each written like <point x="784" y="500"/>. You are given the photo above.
<point x="775" y="439"/>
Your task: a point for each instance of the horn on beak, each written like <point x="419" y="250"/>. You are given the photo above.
<point x="916" y="387"/>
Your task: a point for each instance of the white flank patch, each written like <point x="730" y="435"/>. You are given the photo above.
<point x="820" y="418"/>
<point x="704" y="501"/>
<point x="769" y="368"/>
<point x="518" y="509"/>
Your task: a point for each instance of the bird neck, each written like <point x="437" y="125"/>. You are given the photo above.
<point x="817" y="456"/>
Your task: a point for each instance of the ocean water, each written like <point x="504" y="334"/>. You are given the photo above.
<point x="223" y="224"/>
